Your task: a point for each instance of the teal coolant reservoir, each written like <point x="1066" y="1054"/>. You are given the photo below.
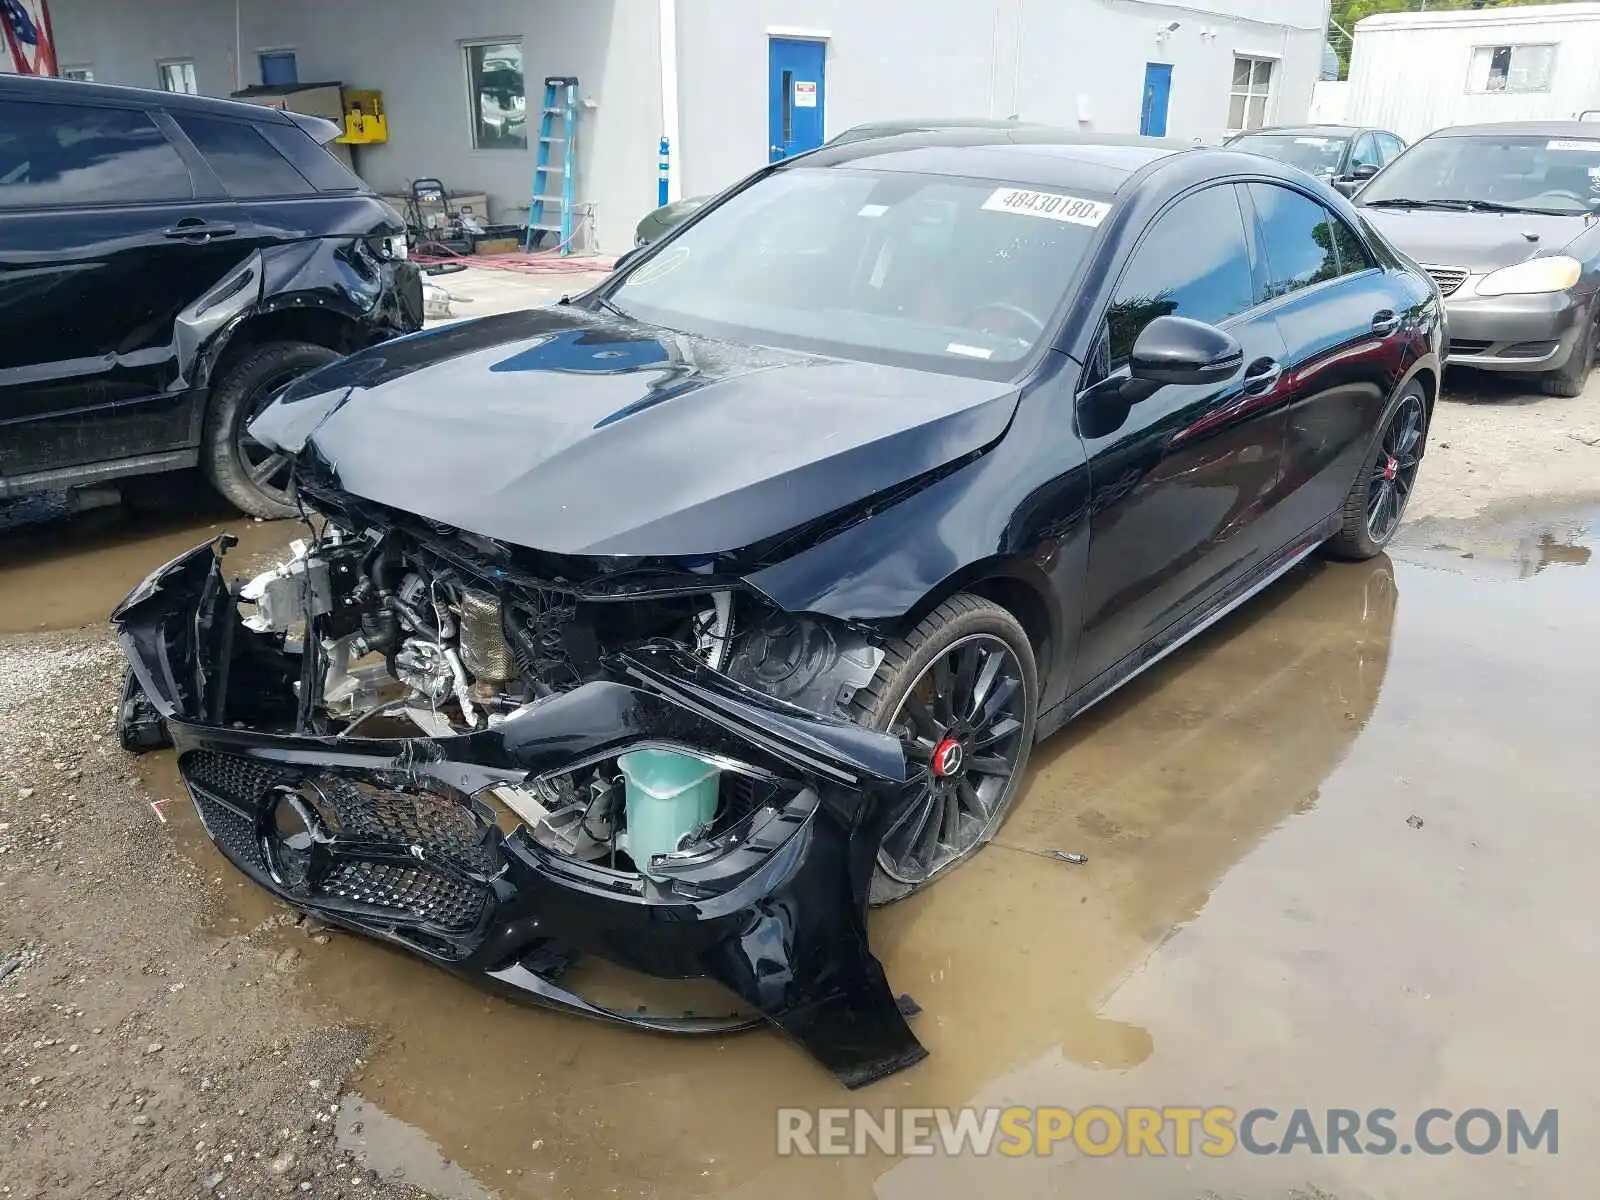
<point x="668" y="794"/>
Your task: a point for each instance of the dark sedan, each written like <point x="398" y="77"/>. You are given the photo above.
<point x="1345" y="156"/>
<point x="740" y="588"/>
<point x="1504" y="217"/>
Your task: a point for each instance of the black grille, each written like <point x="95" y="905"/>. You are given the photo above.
<point x="226" y="790"/>
<point x="439" y="826"/>
<point x="235" y="796"/>
<point x="1449" y="279"/>
<point x="421" y="895"/>
<point x="234" y="833"/>
<point x="1465" y="347"/>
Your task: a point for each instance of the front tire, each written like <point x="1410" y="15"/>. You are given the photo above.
<point x="961" y="691"/>
<point x="251" y="477"/>
<point x="1570" y="380"/>
<point x="1378" y="497"/>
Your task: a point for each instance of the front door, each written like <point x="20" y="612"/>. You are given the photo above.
<point x="1185" y="482"/>
<point x="1157" y="92"/>
<point x="796" y="93"/>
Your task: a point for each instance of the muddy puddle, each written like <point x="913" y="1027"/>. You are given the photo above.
<point x="1340" y="853"/>
<point x="61" y="571"/>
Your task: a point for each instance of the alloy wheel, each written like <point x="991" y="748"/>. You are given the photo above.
<point x="962" y="723"/>
<point x="1395" y="471"/>
<point x="269" y="471"/>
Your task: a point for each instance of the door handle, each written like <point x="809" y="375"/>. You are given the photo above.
<point x="1262" y="376"/>
<point x="193" y="227"/>
<point x="1385" y="322"/>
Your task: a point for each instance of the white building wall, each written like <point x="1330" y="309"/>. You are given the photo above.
<point x="1081" y="64"/>
<point x="1408" y="72"/>
<point x="411" y="50"/>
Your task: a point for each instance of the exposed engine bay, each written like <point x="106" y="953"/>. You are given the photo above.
<point x="393" y="633"/>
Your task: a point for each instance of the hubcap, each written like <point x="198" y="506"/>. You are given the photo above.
<point x="961" y="724"/>
<point x="1396" y="470"/>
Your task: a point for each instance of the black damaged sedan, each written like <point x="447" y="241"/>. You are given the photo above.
<point x="739" y="588"/>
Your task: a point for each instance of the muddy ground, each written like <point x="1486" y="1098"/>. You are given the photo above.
<point x="1339" y="854"/>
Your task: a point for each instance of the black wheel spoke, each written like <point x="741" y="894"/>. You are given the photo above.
<point x="910" y="820"/>
<point x="268" y="467"/>
<point x="971" y="799"/>
<point x="993" y="660"/>
<point x="950" y="833"/>
<point x="989" y="764"/>
<point x="967" y="659"/>
<point x="999" y="697"/>
<point x="943" y="684"/>
<point x="922" y="718"/>
<point x="998" y="732"/>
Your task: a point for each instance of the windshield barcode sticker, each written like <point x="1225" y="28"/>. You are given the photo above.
<point x="969" y="351"/>
<point x="1047" y="204"/>
<point x="1573" y="144"/>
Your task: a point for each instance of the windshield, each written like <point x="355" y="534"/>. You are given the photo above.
<point x="1541" y="173"/>
<point x="1319" y="154"/>
<point x="954" y="275"/>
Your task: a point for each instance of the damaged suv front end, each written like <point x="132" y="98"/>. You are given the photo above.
<point x="360" y="728"/>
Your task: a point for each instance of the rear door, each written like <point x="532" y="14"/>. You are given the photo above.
<point x="1343" y="322"/>
<point x="108" y="230"/>
<point x="1184" y="486"/>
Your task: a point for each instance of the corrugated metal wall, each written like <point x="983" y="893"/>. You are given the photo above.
<point x="1413" y="80"/>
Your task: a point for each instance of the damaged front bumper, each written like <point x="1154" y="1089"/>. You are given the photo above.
<point x="393" y="837"/>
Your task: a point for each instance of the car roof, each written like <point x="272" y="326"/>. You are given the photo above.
<point x="1554" y="129"/>
<point x="1026" y="154"/>
<point x="74" y="91"/>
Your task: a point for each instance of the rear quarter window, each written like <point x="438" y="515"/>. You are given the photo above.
<point x="248" y="165"/>
<point x="317" y="164"/>
<point x="77" y="154"/>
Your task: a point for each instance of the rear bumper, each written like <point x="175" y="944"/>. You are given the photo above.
<point x="406" y="849"/>
<point x="1515" y="333"/>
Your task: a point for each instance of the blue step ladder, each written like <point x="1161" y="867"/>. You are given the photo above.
<point x="560" y="105"/>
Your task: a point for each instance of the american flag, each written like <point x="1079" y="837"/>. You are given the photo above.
<point x="26" y="25"/>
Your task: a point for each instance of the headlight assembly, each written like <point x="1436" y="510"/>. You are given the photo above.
<point x="1555" y="273"/>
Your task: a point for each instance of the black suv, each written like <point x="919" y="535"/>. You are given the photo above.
<point x="167" y="264"/>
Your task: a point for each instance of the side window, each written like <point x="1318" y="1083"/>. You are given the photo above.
<point x="1193" y="262"/>
<point x="1296" y="237"/>
<point x="1389" y="147"/>
<point x="1354" y="257"/>
<point x="72" y="154"/>
<point x="1365" y="153"/>
<point x="245" y="161"/>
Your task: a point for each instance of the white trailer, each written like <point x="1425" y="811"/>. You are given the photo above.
<point x="1417" y="72"/>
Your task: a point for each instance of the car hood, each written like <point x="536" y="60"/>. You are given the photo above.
<point x="560" y="430"/>
<point x="1480" y="242"/>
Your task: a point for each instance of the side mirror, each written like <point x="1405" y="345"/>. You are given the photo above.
<point x="1180" y="351"/>
<point x="1364" y="172"/>
<point x="1346" y="185"/>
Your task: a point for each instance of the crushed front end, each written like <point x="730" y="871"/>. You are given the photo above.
<point x="413" y="734"/>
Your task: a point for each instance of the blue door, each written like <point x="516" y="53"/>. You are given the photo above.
<point x="796" y="93"/>
<point x="1157" y="91"/>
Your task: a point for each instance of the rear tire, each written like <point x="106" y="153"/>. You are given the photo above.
<point x="1570" y="380"/>
<point x="1378" y="497"/>
<point x="967" y="674"/>
<point x="253" y="479"/>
